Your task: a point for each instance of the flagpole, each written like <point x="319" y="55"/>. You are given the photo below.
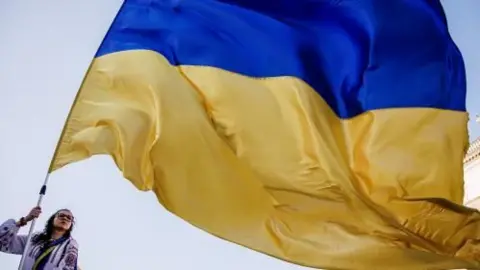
<point x="42" y="193"/>
<point x="43" y="189"/>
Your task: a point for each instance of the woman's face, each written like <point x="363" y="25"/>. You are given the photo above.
<point x="63" y="220"/>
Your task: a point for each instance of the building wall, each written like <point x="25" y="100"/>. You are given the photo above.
<point x="472" y="183"/>
<point x="472" y="175"/>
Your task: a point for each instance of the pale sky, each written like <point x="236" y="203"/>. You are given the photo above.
<point x="45" y="49"/>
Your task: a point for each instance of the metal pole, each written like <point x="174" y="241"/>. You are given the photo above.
<point x="43" y="190"/>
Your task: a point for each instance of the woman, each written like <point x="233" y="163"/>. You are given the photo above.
<point x="52" y="249"/>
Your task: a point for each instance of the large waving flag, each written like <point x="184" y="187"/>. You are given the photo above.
<point x="328" y="133"/>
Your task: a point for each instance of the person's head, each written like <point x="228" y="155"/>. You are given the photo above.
<point x="61" y="222"/>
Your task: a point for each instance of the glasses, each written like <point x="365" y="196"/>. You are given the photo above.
<point x="65" y="216"/>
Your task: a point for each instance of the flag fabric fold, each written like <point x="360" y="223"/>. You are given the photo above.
<point x="326" y="133"/>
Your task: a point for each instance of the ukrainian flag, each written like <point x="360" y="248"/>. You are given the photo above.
<point x="328" y="133"/>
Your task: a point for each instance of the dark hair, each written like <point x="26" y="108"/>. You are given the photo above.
<point x="46" y="235"/>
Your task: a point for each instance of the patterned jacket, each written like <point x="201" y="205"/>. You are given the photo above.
<point x="63" y="257"/>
